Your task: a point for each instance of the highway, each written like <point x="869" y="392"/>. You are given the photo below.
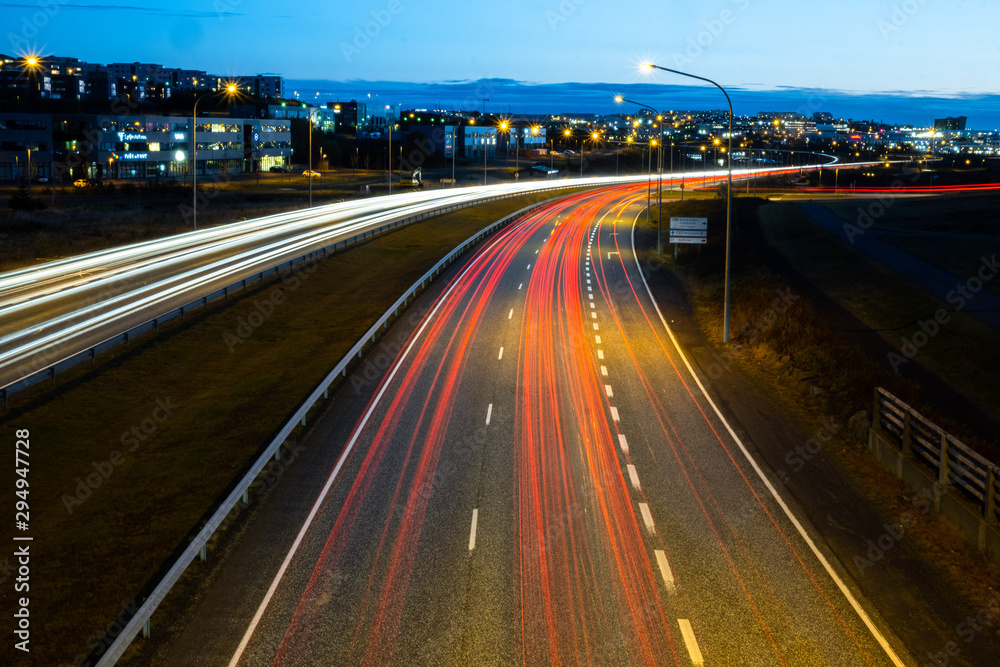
<point x="58" y="309"/>
<point x="54" y="310"/>
<point x="538" y="478"/>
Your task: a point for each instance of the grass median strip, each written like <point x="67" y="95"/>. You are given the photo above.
<point x="127" y="460"/>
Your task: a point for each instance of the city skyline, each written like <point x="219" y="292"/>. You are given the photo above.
<point x="526" y="98"/>
<point x="861" y="48"/>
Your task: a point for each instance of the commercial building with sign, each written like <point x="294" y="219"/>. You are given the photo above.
<point x="139" y="147"/>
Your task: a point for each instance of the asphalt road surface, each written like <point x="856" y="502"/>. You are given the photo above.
<point x="533" y="476"/>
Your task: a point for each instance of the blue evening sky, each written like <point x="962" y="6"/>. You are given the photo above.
<point x="922" y="48"/>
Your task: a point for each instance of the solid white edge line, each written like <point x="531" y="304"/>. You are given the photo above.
<point x="883" y="642"/>
<point x="690" y="641"/>
<point x="340" y="462"/>
<point x="665" y="571"/>
<point x="489" y="413"/>
<point x="472" y="531"/>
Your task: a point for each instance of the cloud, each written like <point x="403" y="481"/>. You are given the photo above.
<point x="155" y="11"/>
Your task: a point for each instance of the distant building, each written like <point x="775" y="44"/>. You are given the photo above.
<point x="61" y="78"/>
<point x="477" y="139"/>
<point x="20" y="133"/>
<point x="956" y="124"/>
<point x="349" y="116"/>
<point x="264" y="86"/>
<point x="523" y="139"/>
<point x="138" y="147"/>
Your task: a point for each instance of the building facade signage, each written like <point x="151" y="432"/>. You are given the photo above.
<point x="134" y="156"/>
<point x="131" y="136"/>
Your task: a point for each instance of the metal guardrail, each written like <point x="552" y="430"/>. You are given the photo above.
<point x="140" y="621"/>
<point x="954" y="463"/>
<point x="53" y="368"/>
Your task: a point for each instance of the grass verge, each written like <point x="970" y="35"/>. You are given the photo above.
<point x="128" y="458"/>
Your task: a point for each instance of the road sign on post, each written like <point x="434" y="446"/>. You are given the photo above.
<point x="689" y="230"/>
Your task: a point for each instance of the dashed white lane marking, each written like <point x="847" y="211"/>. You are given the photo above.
<point x="597" y="339"/>
<point x="668" y="576"/>
<point x="608" y="391"/>
<point x="510" y="314"/>
<point x="604" y="369"/>
<point x="690" y="642"/>
<point x="529" y="267"/>
<point x="633" y="476"/>
<point x="600" y="354"/>
<point x="472" y="532"/>
<point x="647" y="518"/>
<point x="596" y="328"/>
<point x="588" y="282"/>
<point x="593" y="315"/>
<point x="592" y="305"/>
<point x="489" y="413"/>
<point x="536" y="252"/>
<point x="614" y="414"/>
<point x="500" y="356"/>
<point x="622" y="441"/>
<point x="520" y="286"/>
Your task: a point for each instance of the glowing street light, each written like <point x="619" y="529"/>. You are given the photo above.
<point x="230" y="90"/>
<point x="729" y="187"/>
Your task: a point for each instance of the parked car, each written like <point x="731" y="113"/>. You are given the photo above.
<point x="80" y="183"/>
<point x="312" y="173"/>
<point x="41" y="179"/>
<point x="278" y="170"/>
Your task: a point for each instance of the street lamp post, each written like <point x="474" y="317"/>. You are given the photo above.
<point x="659" y="172"/>
<point x="729" y="188"/>
<point x="310" y="123"/>
<point x="229" y="91"/>
<point x="389" y="164"/>
<point x="505" y="127"/>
